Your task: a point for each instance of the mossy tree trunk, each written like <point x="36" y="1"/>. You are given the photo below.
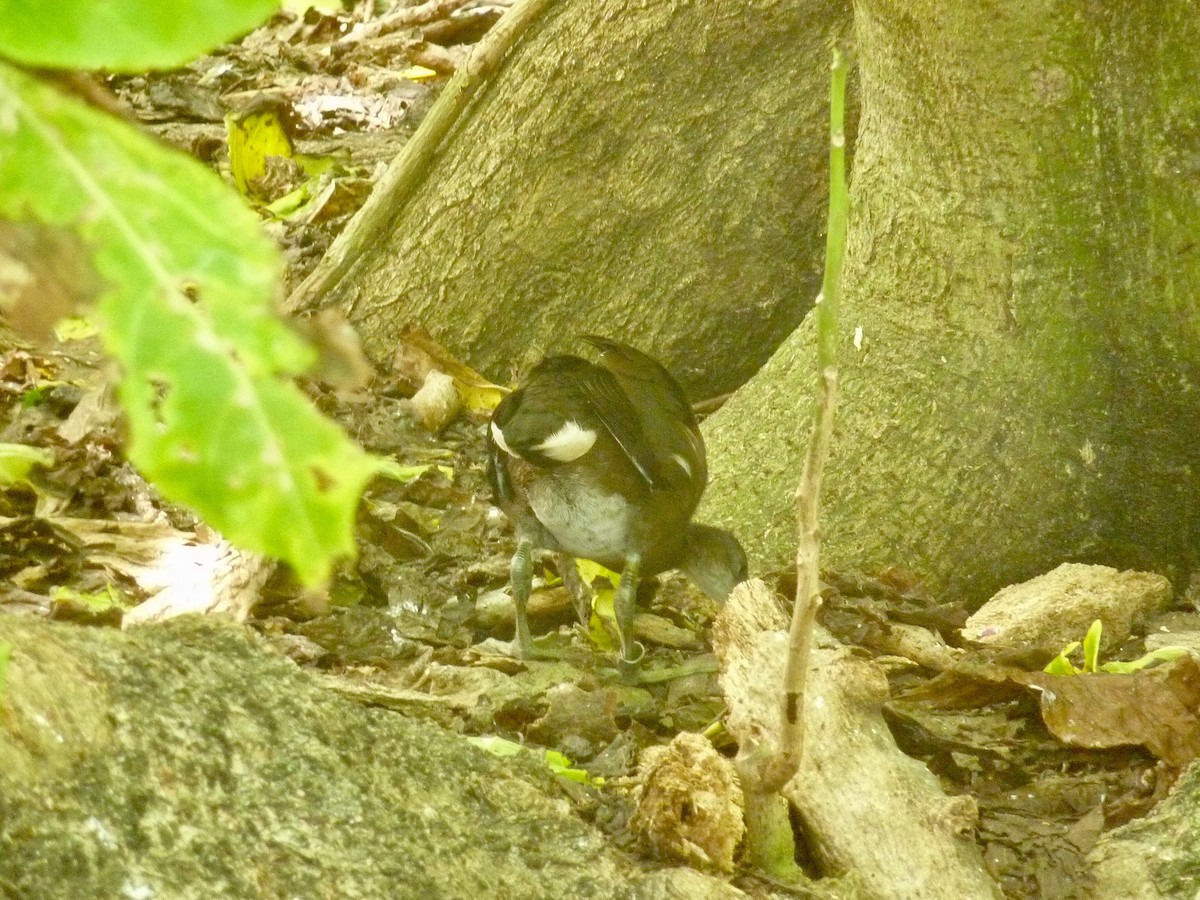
<point x="1024" y="266"/>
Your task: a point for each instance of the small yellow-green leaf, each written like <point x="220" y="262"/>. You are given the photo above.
<point x="589" y="571"/>
<point x="315" y="166"/>
<point x="561" y="765"/>
<point x="74" y="328"/>
<point x="1091" y="647"/>
<point x="602" y="611"/>
<point x="599" y="635"/>
<point x="497" y="746"/>
<point x="253" y="136"/>
<point x="16" y="461"/>
<point x="602" y="604"/>
<point x="292" y="201"/>
<point x="481" y="397"/>
<point x="96" y="602"/>
<point x="418" y="73"/>
<point x="1061" y="665"/>
<point x="1162" y="654"/>
<point x="557" y="762"/>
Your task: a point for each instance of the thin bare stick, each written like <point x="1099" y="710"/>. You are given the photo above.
<point x="808" y="550"/>
<point x="408" y="170"/>
<point x="407" y="17"/>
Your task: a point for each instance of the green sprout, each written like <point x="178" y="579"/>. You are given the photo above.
<point x="556" y="762"/>
<point x="1062" y="665"/>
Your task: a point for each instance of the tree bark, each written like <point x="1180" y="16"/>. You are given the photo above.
<point x="1023" y="265"/>
<point x="653" y="171"/>
<point x="186" y="760"/>
<point x="1155" y="857"/>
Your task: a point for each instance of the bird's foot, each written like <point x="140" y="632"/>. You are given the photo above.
<point x="629" y="663"/>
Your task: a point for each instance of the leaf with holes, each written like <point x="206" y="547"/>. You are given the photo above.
<point x="185" y="306"/>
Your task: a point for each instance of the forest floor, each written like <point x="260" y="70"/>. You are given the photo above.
<point x="405" y="625"/>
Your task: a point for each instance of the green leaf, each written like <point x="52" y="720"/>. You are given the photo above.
<point x="497" y="746"/>
<point x="1091" y="647"/>
<point x="1162" y="654"/>
<point x="5" y="656"/>
<point x="186" y="310"/>
<point x="100" y="601"/>
<point x="1061" y="664"/>
<point x="589" y="571"/>
<point x="74" y="328"/>
<point x="16" y="460"/>
<point x="561" y="765"/>
<point x="558" y="763"/>
<point x="123" y="35"/>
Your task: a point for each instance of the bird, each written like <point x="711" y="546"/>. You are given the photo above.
<point x="605" y="461"/>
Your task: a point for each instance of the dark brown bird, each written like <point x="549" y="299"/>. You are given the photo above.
<point x="606" y="462"/>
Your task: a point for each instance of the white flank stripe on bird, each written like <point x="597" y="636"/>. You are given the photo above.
<point x="498" y="437"/>
<point x="568" y="443"/>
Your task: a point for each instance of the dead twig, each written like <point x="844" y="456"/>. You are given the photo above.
<point x="408" y="17"/>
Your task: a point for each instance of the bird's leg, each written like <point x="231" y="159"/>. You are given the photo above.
<point x="520" y="575"/>
<point x="624" y="607"/>
<point x="580" y="591"/>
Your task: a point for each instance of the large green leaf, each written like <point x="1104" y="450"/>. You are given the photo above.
<point x="122" y="35"/>
<point x="185" y="307"/>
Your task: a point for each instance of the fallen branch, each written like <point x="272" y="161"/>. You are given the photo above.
<point x="871" y="814"/>
<point x="407" y="17"/>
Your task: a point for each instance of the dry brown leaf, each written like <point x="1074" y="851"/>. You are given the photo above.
<point x="1158" y="709"/>
<point x="417" y="354"/>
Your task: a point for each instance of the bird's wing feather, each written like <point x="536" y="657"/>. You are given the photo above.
<point x="555" y="415"/>
<point x="673" y="445"/>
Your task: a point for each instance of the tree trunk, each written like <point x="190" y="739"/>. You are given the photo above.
<point x="1154" y="857"/>
<point x="651" y="171"/>
<point x="1023" y="264"/>
<point x="187" y="760"/>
